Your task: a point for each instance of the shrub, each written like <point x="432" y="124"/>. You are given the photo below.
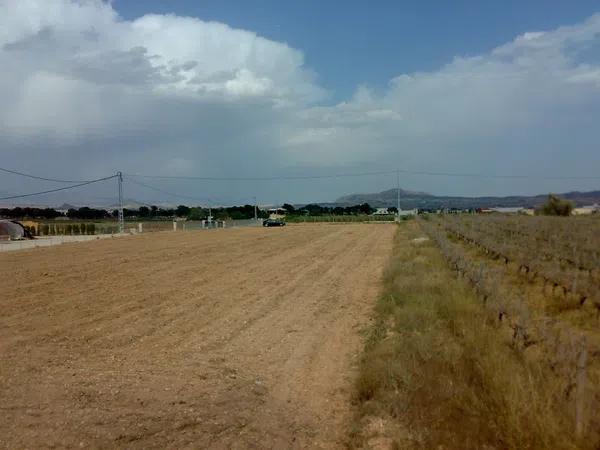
<point x="45" y="229"/>
<point x="82" y="228"/>
<point x="91" y="228"/>
<point x="556" y="206"/>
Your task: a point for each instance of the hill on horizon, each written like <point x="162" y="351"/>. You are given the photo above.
<point x="410" y="200"/>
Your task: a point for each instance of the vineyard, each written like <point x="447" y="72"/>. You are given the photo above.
<point x="540" y="278"/>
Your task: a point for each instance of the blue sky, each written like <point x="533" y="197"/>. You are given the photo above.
<point x="359" y="42"/>
<point x="245" y="89"/>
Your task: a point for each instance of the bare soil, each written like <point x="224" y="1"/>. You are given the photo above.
<point x="224" y="339"/>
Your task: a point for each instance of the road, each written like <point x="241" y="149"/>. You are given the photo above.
<point x="241" y="338"/>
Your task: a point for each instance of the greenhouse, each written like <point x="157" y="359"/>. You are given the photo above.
<point x="11" y="230"/>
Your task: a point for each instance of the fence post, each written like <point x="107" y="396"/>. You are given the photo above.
<point x="140" y="227"/>
<point x="580" y="399"/>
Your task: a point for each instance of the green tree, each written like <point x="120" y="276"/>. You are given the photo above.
<point x="289" y="208"/>
<point x="144" y="211"/>
<point x="365" y="208"/>
<point x="556" y="206"/>
<point x="182" y="211"/>
<point x="197" y="213"/>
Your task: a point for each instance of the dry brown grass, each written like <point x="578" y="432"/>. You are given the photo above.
<point x="439" y="372"/>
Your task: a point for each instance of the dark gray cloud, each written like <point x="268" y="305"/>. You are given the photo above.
<point x="86" y="93"/>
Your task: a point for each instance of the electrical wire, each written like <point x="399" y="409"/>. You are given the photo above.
<point x="480" y="175"/>
<point x="362" y="174"/>
<point x="58" y="189"/>
<point x="14" y="172"/>
<point x="172" y="194"/>
<point x="315" y="177"/>
<point x="273" y="178"/>
<point x="212" y="200"/>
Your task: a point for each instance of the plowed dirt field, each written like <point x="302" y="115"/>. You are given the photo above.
<point x="241" y="338"/>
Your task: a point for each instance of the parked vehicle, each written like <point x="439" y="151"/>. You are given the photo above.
<point x="273" y="223"/>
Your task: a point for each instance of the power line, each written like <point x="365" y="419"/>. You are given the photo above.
<point x="272" y="178"/>
<point x="482" y="175"/>
<point x="362" y="174"/>
<point x="14" y="172"/>
<point x="315" y="177"/>
<point x="172" y="194"/>
<point x="213" y="200"/>
<point x="58" y="189"/>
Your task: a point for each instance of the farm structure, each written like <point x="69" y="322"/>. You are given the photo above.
<point x="10" y="230"/>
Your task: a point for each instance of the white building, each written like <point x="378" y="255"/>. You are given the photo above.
<point x="584" y="210"/>
<point x="408" y="212"/>
<point x="381" y="212"/>
<point x="509" y="210"/>
<point x="277" y="213"/>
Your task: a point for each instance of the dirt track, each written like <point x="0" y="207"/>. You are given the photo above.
<point x="222" y="339"/>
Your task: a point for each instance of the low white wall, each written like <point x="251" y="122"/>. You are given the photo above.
<point x="51" y="240"/>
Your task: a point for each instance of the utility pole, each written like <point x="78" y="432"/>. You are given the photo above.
<point x="398" y="191"/>
<point x="255" y="210"/>
<point x="121" y="217"/>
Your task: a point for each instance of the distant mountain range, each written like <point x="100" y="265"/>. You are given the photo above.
<point x="410" y="200"/>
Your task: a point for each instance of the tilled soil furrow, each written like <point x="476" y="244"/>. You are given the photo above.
<point x="231" y="339"/>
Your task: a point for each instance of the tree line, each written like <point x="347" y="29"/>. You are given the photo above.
<point x="154" y="212"/>
<point x="314" y="209"/>
<point x="143" y="212"/>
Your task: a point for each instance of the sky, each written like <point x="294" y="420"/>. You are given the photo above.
<point x="242" y="89"/>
